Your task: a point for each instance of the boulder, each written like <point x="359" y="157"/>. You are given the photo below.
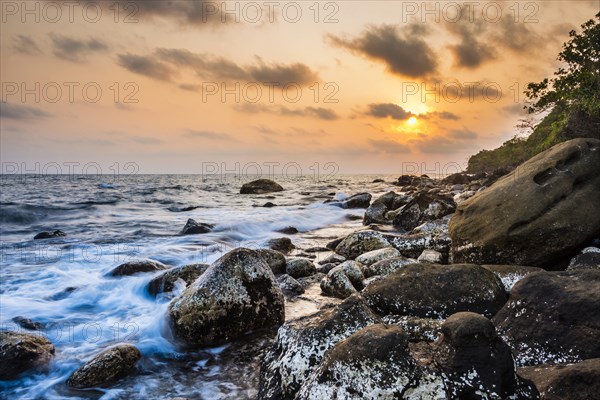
<point x="374" y="256"/>
<point x="268" y="204"/>
<point x="238" y="293"/>
<point x="540" y="214"/>
<point x="510" y="274"/>
<point x="332" y="259"/>
<point x="275" y="259"/>
<point x="458" y="178"/>
<point x="373" y="363"/>
<point x="343" y="280"/>
<point x="376" y="214"/>
<point x="167" y="281"/>
<point x="360" y="200"/>
<point x="282" y="244"/>
<point x="431" y="256"/>
<point x="552" y="317"/>
<point x="413" y="245"/>
<point x="21" y="352"/>
<point x="579" y="381"/>
<point x="417" y="329"/>
<point x="288" y="230"/>
<point x="137" y="267"/>
<point x="260" y="186"/>
<point x="422" y="208"/>
<point x="436" y="291"/>
<point x="475" y="362"/>
<point x="386" y="267"/>
<point x="300" y="345"/>
<point x="588" y="258"/>
<point x="361" y="242"/>
<point x="108" y="366"/>
<point x="193" y="228"/>
<point x="299" y="267"/>
<point x="289" y="286"/>
<point x="49" y="235"/>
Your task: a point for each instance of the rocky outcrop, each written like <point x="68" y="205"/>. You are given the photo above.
<point x="166" y="282"/>
<point x="49" y="235"/>
<point x="108" y="366"/>
<point x="436" y="291"/>
<point x="21" y="352"/>
<point x="540" y="214"/>
<point x="261" y="186"/>
<point x="301" y="344"/>
<point x="552" y="317"/>
<point x="137" y="267"/>
<point x="193" y="228"/>
<point x="237" y="294"/>
<point x="299" y="267"/>
<point x="361" y="242"/>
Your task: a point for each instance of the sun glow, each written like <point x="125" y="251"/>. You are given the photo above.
<point x="412" y="121"/>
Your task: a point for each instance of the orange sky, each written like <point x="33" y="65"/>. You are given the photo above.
<point x="181" y="87"/>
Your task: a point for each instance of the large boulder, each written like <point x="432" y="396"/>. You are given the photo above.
<point x="579" y="381"/>
<point x="21" y="352"/>
<point x="361" y="242"/>
<point x="540" y="214"/>
<point x="260" y="186"/>
<point x="301" y="344"/>
<point x="106" y="367"/>
<point x="373" y="363"/>
<point x="166" y="282"/>
<point x="436" y="291"/>
<point x="237" y="294"/>
<point x="137" y="267"/>
<point x="552" y="317"/>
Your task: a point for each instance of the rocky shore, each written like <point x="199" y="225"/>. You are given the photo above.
<point x="479" y="286"/>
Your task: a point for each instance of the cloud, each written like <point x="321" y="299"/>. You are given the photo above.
<point x="291" y="132"/>
<point x="146" y="140"/>
<point x="326" y="114"/>
<point x="147" y="66"/>
<point x="388" y="146"/>
<point x="516" y="36"/>
<point x="25" y="45"/>
<point x="75" y="50"/>
<point x="210" y="135"/>
<point x="446" y="115"/>
<point x="473" y="50"/>
<point x="21" y="112"/>
<point x="454" y="141"/>
<point x="385" y="110"/>
<point x="403" y="51"/>
<point x="462" y="134"/>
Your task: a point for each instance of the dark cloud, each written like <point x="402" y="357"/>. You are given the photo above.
<point x="75" y="50"/>
<point x="21" y="112"/>
<point x="25" y="45"/>
<point x="473" y="49"/>
<point x="385" y="110"/>
<point x="326" y="114"/>
<point x="209" y="135"/>
<point x="388" y="146"/>
<point x="462" y="134"/>
<point x="147" y="66"/>
<point x="403" y="50"/>
<point x="517" y="36"/>
<point x="446" y="115"/>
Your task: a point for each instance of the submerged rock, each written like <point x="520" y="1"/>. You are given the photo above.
<point x="552" y="317"/>
<point x="136" y="267"/>
<point x="540" y="214"/>
<point x="166" y="282"/>
<point x="106" y="367"/>
<point x="28" y="323"/>
<point x="21" y="352"/>
<point x="193" y="228"/>
<point x="237" y="294"/>
<point x="361" y="242"/>
<point x="260" y="186"/>
<point x="49" y="235"/>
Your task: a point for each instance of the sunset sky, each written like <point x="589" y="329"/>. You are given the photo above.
<point x="369" y="85"/>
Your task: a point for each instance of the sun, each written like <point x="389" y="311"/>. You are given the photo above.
<point x="412" y="121"/>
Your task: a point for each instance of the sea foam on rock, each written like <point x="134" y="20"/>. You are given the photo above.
<point x="238" y="293"/>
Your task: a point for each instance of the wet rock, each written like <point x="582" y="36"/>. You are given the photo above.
<point x="378" y="181"/>
<point x="290" y="230"/>
<point x="510" y="274"/>
<point x="237" y="294"/>
<point x="361" y="242"/>
<point x="268" y="204"/>
<point x="325" y="268"/>
<point x="579" y="381"/>
<point x="436" y="291"/>
<point x="343" y="280"/>
<point x="588" y="258"/>
<point x="552" y="317"/>
<point x="21" y="352"/>
<point x="417" y="329"/>
<point x="108" y="366"/>
<point x="317" y="249"/>
<point x="301" y="344"/>
<point x="376" y="213"/>
<point x="167" y="281"/>
<point x="360" y="200"/>
<point x="193" y="228"/>
<point x="333" y="244"/>
<point x="373" y="363"/>
<point x="28" y="323"/>
<point x="311" y="280"/>
<point x="49" y="235"/>
<point x="431" y="256"/>
<point x="423" y="207"/>
<point x="282" y="244"/>
<point x="333" y="259"/>
<point x="413" y="245"/>
<point x="289" y="285"/>
<point x="137" y="267"/>
<point x="299" y="267"/>
<point x="275" y="259"/>
<point x="475" y="361"/>
<point x="534" y="216"/>
<point x="260" y="186"/>
<point x="63" y="294"/>
<point x="374" y="256"/>
<point x="387" y="266"/>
